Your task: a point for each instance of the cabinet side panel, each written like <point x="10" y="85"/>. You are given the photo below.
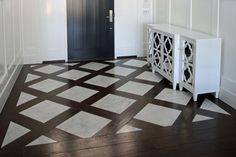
<point x="208" y="65"/>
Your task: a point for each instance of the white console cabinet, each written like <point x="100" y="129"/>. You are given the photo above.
<point x="188" y="58"/>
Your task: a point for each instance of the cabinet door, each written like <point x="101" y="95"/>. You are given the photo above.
<point x="168" y="50"/>
<point x="188" y="63"/>
<point x="157" y="51"/>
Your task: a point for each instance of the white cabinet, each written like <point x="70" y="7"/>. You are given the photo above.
<point x="189" y="58"/>
<point x="200" y="65"/>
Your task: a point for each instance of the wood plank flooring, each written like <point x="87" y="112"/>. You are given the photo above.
<point x="134" y="118"/>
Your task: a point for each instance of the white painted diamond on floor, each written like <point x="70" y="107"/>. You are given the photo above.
<point x="77" y="93"/>
<point x="25" y="97"/>
<point x="32" y="66"/>
<point x="210" y="106"/>
<point x="102" y="81"/>
<point x="113" y="61"/>
<point x="128" y="128"/>
<point x="71" y="64"/>
<point x="135" y="63"/>
<point x="47" y="85"/>
<point x="94" y="66"/>
<point x="199" y="118"/>
<point x="173" y="96"/>
<point x="49" y="69"/>
<point x="74" y="74"/>
<point x="135" y="88"/>
<point x="84" y="124"/>
<point x="121" y="71"/>
<point x="14" y="132"/>
<point x="31" y="77"/>
<point x="114" y="103"/>
<point x="149" y="76"/>
<point x="159" y="115"/>
<point x="44" y="111"/>
<point x="41" y="140"/>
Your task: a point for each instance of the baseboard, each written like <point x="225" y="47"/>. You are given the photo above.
<point x="54" y="61"/>
<point x="228" y="92"/>
<point x="9" y="82"/>
<point x="126" y="57"/>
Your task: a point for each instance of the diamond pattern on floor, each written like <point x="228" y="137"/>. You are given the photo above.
<point x="149" y="76"/>
<point x="77" y="93"/>
<point x="158" y="115"/>
<point x="41" y="140"/>
<point x="128" y="128"/>
<point x="94" y="66"/>
<point x="135" y="63"/>
<point x="113" y="61"/>
<point x="47" y="85"/>
<point x="102" y="81"/>
<point x="114" y="103"/>
<point x="173" y="96"/>
<point x="84" y="124"/>
<point x="44" y="111"/>
<point x="128" y="107"/>
<point x="210" y="106"/>
<point x="25" y="97"/>
<point x="31" y="77"/>
<point x="135" y="88"/>
<point x="49" y="69"/>
<point x="199" y="118"/>
<point x="14" y="132"/>
<point x="121" y="71"/>
<point x="71" y="64"/>
<point x="74" y="74"/>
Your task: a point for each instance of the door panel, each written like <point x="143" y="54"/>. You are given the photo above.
<point x="90" y="34"/>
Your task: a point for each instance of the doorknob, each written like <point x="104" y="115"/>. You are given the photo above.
<point x="110" y="17"/>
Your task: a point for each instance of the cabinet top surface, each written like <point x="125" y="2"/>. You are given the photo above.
<point x="181" y="31"/>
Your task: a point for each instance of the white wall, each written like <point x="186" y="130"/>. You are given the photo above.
<point x="161" y="11"/>
<point x="228" y="33"/>
<point x="126" y="27"/>
<point x="212" y="17"/>
<point x="131" y="18"/>
<point x="180" y="12"/>
<point x="11" y="51"/>
<point x="45" y="30"/>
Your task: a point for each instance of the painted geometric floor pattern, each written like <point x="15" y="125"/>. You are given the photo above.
<point x="58" y="103"/>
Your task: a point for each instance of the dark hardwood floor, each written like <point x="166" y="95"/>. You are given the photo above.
<point x="165" y="126"/>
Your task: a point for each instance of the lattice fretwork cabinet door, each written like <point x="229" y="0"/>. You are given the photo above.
<point x="168" y="49"/>
<point x="157" y="52"/>
<point x="187" y="67"/>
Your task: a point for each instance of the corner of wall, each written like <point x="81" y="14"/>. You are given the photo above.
<point x="228" y="92"/>
<point x="9" y="82"/>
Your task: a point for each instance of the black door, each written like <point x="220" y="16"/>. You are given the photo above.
<point x="90" y="29"/>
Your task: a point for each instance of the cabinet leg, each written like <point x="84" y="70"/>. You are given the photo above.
<point x="195" y="97"/>
<point x="181" y="88"/>
<point x="216" y="95"/>
<point x="174" y="86"/>
<point x="153" y="71"/>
